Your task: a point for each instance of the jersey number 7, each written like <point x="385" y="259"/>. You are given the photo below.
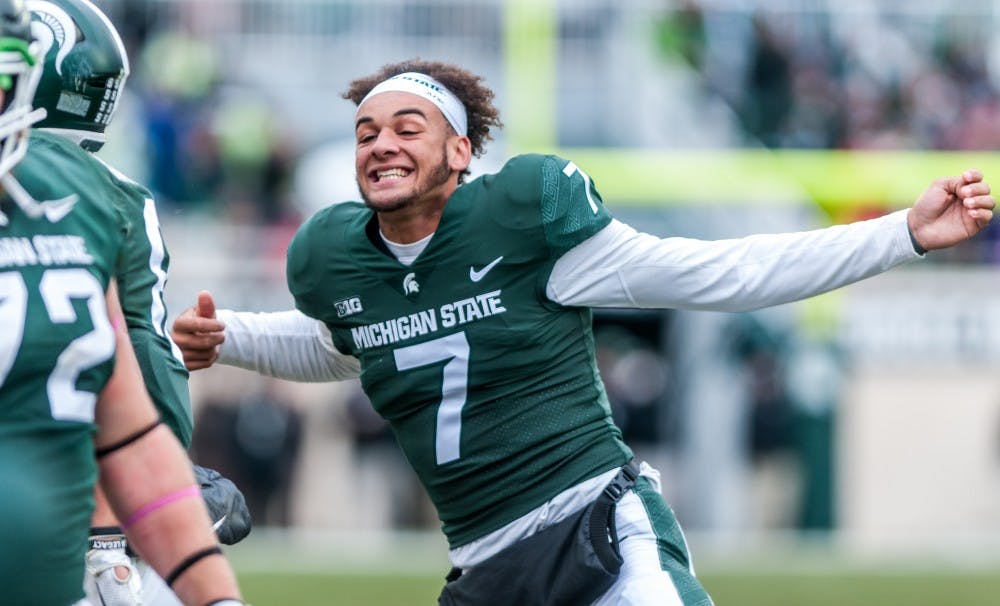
<point x="454" y="386"/>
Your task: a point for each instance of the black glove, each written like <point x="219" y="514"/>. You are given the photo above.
<point x="226" y="505"/>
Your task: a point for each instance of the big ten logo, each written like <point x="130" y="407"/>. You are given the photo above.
<point x="348" y="307"/>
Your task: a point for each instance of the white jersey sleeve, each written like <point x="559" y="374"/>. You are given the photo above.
<point x="620" y="267"/>
<point x="284" y="344"/>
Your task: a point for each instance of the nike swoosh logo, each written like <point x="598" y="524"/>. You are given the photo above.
<point x="476" y="276"/>
<point x="56" y="210"/>
<point x="220" y="522"/>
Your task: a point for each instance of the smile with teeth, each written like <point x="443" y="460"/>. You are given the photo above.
<point x="392" y="173"/>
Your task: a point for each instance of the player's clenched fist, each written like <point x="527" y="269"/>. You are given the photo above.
<point x="951" y="210"/>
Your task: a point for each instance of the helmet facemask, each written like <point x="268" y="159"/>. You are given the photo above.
<point x="20" y="70"/>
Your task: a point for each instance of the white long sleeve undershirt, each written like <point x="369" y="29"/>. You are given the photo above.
<point x="284" y="344"/>
<point x="620" y="267"/>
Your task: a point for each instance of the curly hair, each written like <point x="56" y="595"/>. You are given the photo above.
<point x="468" y="87"/>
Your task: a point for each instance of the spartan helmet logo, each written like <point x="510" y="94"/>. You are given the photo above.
<point x="53" y="27"/>
<point x="410" y="285"/>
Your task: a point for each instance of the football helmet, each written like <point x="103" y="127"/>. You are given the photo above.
<point x="19" y="72"/>
<point x="85" y="68"/>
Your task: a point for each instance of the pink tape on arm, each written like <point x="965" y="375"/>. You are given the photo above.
<point x="184" y="493"/>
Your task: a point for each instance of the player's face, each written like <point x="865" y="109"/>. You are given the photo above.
<point x="404" y="152"/>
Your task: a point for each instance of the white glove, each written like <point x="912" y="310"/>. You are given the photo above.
<point x="111" y="578"/>
<point x="154" y="589"/>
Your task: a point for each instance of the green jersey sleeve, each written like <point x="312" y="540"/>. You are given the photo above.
<point x="572" y="210"/>
<point x="142" y="276"/>
<point x="551" y="190"/>
<point x="312" y="259"/>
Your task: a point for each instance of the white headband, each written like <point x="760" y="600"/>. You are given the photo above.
<point x="424" y="86"/>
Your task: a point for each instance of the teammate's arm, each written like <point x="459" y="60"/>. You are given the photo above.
<point x="150" y="485"/>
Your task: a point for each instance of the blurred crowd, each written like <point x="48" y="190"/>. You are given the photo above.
<point x="827" y="80"/>
<point x="199" y="142"/>
<point x="818" y="81"/>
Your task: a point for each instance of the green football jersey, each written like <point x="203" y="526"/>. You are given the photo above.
<point x="56" y="353"/>
<point x="491" y="388"/>
<point x="142" y="276"/>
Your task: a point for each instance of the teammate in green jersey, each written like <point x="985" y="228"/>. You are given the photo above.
<point x="465" y="310"/>
<point x="72" y="403"/>
<point x="84" y="72"/>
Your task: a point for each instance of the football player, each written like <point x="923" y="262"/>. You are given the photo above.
<point x="464" y="307"/>
<point x="84" y="71"/>
<point x="72" y="401"/>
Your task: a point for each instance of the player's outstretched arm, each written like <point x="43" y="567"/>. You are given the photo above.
<point x="151" y="487"/>
<point x="282" y="344"/>
<point x="198" y="333"/>
<point x="951" y="210"/>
